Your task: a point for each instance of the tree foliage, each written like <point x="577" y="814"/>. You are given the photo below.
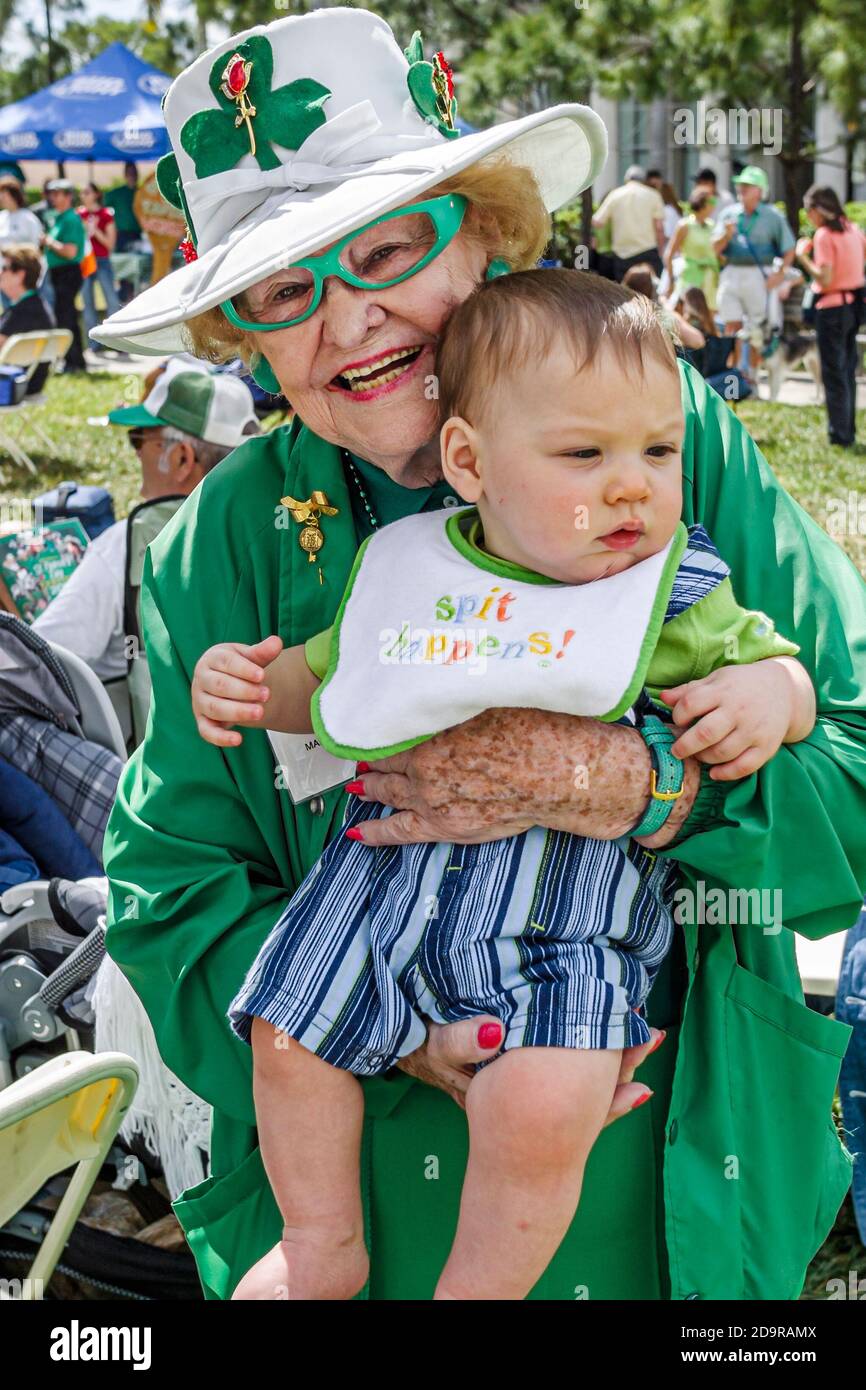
<point x="513" y="58"/>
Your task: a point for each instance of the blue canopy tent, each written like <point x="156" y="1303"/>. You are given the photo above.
<point x="109" y="110"/>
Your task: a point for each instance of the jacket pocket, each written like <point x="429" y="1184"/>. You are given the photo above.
<point x="791" y="1169"/>
<point x="229" y="1223"/>
<point x="233" y="1220"/>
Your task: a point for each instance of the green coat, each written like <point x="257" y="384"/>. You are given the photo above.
<point x="727" y="1182"/>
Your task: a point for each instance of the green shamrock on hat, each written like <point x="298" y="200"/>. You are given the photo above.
<point x="432" y="86"/>
<point x="251" y="115"/>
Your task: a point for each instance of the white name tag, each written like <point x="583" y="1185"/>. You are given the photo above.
<point x="306" y="769"/>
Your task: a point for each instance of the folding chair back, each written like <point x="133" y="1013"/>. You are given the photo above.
<point x="30" y="349"/>
<point x="27" y="350"/>
<point x="65" y="1112"/>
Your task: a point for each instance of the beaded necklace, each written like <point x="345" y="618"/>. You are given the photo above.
<point x="356" y="478"/>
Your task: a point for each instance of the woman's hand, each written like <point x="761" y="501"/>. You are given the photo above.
<point x="509" y="769"/>
<point x="446" y="1061"/>
<point x="227" y="688"/>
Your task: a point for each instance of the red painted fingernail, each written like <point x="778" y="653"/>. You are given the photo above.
<point x="363" y="767"/>
<point x="355" y="787"/>
<point x="353" y="833"/>
<point x="490" y="1035"/>
<point x="658" y="1043"/>
<point x="640" y="1100"/>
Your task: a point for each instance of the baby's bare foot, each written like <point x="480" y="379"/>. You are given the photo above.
<point x="307" y="1267"/>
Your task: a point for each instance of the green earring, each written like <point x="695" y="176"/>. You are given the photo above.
<point x="496" y="268"/>
<point x="262" y="374"/>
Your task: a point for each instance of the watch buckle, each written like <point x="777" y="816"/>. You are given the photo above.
<point x="663" y="796"/>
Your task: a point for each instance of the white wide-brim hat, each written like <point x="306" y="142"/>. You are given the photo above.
<point x="346" y="126"/>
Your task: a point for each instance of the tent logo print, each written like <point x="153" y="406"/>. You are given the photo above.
<point x="16" y="143"/>
<point x="153" y="84"/>
<point x="98" y="85"/>
<point x="70" y="140"/>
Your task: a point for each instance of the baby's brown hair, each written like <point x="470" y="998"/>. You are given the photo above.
<point x="507" y="321"/>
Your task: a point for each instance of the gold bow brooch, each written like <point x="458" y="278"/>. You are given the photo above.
<point x="307" y="514"/>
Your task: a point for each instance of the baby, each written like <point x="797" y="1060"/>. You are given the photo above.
<point x="569" y="583"/>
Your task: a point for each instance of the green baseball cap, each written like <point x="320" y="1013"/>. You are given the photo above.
<point x="754" y="175"/>
<point x="210" y="405"/>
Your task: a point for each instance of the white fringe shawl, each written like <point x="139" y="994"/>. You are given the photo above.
<point x="173" y="1122"/>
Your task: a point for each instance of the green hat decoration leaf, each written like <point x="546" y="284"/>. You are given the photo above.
<point x="251" y="115"/>
<point x="170" y="185"/>
<point x="431" y="86"/>
<point x="168" y="180"/>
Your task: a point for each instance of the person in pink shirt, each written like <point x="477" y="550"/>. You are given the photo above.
<point x="834" y="257"/>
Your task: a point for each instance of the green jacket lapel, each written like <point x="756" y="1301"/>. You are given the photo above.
<point x="307" y="605"/>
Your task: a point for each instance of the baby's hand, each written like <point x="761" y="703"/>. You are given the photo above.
<point x="741" y="715"/>
<point x="227" y="688"/>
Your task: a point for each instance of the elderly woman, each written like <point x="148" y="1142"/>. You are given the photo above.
<point x="294" y="145"/>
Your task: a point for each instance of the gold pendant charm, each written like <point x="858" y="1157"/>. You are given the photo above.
<point x="311" y="537"/>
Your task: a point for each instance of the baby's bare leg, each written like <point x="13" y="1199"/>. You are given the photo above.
<point x="534" y="1115"/>
<point x="309" y="1117"/>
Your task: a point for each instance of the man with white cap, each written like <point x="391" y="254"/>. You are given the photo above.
<point x="635" y="212"/>
<point x="757" y="247"/>
<point x="190" y="420"/>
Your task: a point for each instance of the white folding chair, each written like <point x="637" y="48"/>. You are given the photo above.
<point x="65" y="1112"/>
<point x="29" y="350"/>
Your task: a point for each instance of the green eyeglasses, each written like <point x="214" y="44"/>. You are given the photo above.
<point x="383" y="253"/>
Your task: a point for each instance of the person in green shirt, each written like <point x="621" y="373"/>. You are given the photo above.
<point x="65" y="243"/>
<point x="121" y="200"/>
<point x="726" y="1181"/>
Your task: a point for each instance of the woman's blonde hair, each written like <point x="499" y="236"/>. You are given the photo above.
<point x="506" y="217"/>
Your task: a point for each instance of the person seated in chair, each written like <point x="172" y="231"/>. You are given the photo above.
<point x="190" y="420"/>
<point x="714" y="359"/>
<point x="20" y="269"/>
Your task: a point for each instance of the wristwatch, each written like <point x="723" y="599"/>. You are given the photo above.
<point x="666" y="776"/>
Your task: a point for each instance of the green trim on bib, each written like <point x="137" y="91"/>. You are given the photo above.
<point x="470" y="550"/>
<point x="654" y="626"/>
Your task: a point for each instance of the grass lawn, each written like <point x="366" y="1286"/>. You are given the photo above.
<point x="793" y="438"/>
<point x="83" y="453"/>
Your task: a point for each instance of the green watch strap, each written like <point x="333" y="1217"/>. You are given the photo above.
<point x="666" y="777"/>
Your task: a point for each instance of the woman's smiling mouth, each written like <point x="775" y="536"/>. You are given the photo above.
<point x="371" y="378"/>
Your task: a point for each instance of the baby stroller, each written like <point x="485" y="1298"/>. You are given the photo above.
<point x="126" y="1243"/>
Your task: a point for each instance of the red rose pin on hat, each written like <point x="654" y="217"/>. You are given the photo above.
<point x="290" y="135"/>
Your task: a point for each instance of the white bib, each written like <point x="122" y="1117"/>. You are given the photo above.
<point x="427" y="636"/>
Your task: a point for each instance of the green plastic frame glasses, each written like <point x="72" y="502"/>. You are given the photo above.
<point x="446" y="214"/>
